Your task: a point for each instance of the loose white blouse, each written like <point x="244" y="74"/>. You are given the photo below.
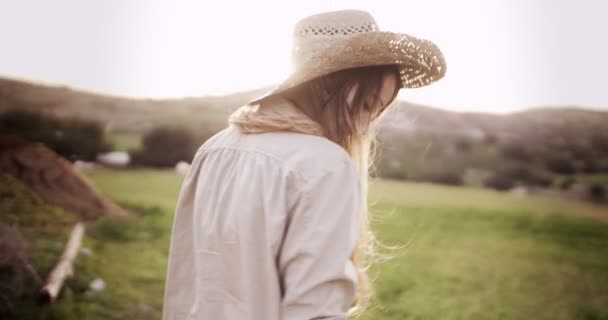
<point x="264" y="229"/>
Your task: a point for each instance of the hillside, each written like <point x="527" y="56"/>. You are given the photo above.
<point x="137" y="115"/>
<point x="539" y="147"/>
<point x="118" y="113"/>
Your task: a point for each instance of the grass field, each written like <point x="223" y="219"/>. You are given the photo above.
<point x="465" y="254"/>
<point x="478" y="254"/>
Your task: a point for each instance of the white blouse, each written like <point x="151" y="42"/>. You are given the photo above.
<point x="264" y="229"/>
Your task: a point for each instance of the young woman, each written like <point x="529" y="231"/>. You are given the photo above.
<point x="271" y="222"/>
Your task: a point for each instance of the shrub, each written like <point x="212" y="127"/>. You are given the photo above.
<point x="17" y="276"/>
<point x="527" y="176"/>
<point x="589" y="165"/>
<point x="165" y="146"/>
<point x="566" y="183"/>
<point x="597" y="192"/>
<point x="515" y="151"/>
<point x="74" y="139"/>
<point x="463" y="145"/>
<point x="499" y="181"/>
<point x="559" y="163"/>
<point x="443" y="177"/>
<point x="385" y="170"/>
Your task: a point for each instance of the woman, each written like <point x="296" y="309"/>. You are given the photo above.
<point x="271" y="222"/>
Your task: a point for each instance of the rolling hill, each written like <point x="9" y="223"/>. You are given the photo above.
<point x="137" y="115"/>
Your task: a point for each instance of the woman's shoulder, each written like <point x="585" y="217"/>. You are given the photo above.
<point x="305" y="153"/>
<point x="287" y="145"/>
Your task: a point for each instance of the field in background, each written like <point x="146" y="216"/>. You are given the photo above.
<point x="479" y="254"/>
<point x="467" y="253"/>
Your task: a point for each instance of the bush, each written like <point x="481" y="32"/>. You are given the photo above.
<point x="17" y="277"/>
<point x="597" y="192"/>
<point x="566" y="183"/>
<point x="463" y="145"/>
<point x="527" y="176"/>
<point x="443" y="177"/>
<point x="74" y="139"/>
<point x="499" y="181"/>
<point x="390" y="172"/>
<point x="590" y="165"/>
<point x="515" y="151"/>
<point x="165" y="146"/>
<point x="558" y="163"/>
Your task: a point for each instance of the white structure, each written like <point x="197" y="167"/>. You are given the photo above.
<point x="182" y="167"/>
<point x="114" y="159"/>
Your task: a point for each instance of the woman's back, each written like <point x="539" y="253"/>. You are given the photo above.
<point x="245" y="228"/>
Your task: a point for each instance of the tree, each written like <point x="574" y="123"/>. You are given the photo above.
<point x="74" y="139"/>
<point x="165" y="146"/>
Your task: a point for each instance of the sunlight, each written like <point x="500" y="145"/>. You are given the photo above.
<point x="501" y="55"/>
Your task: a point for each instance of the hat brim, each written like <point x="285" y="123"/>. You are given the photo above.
<point x="420" y="62"/>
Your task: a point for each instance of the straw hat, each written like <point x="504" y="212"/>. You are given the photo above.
<point x="333" y="41"/>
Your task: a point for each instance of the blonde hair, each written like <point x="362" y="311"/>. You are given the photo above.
<point x="324" y="109"/>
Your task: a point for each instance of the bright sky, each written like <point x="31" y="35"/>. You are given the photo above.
<point x="502" y="55"/>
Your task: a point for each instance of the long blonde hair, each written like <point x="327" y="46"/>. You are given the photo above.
<point x="323" y="109"/>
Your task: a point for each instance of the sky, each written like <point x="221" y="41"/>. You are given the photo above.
<point x="501" y="55"/>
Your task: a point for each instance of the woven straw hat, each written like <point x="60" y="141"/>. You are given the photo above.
<point x="333" y="41"/>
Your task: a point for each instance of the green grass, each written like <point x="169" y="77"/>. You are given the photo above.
<point x="600" y="178"/>
<point x="466" y="253"/>
<point x="123" y="141"/>
<point x="587" y="178"/>
<point x="476" y="254"/>
<point x="425" y="195"/>
<point x="129" y="256"/>
<point x="45" y="228"/>
<point x="131" y="259"/>
<point x="147" y="187"/>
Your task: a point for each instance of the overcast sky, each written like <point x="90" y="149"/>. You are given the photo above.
<point x="502" y="55"/>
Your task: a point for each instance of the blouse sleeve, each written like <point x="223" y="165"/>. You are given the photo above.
<point x="317" y="276"/>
